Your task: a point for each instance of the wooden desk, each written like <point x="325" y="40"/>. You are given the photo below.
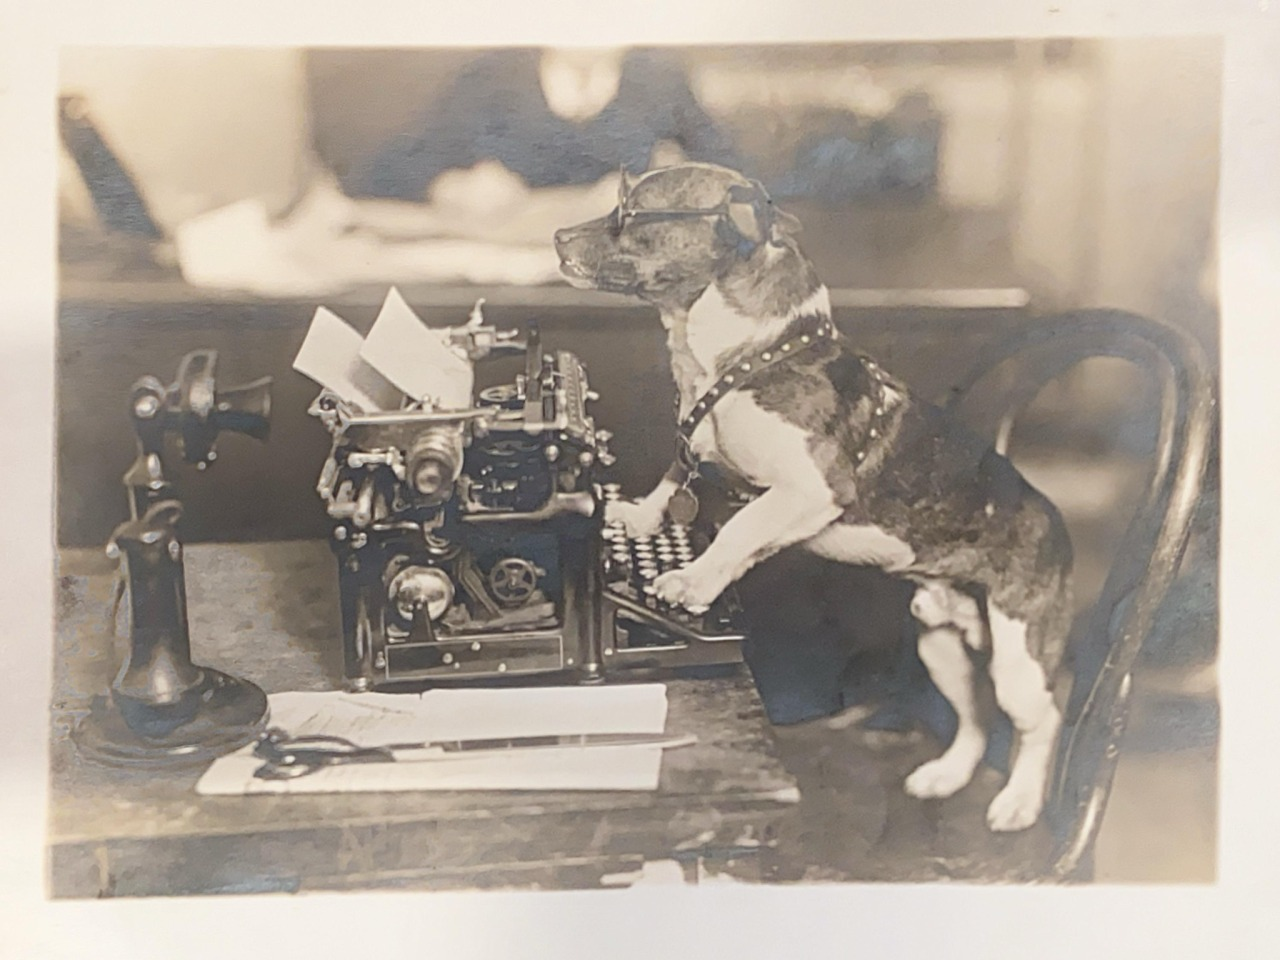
<point x="268" y="612"/>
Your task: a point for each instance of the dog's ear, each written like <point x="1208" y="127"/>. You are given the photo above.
<point x="746" y="220"/>
<point x="748" y="214"/>
<point x="784" y="224"/>
<point x="755" y="218"/>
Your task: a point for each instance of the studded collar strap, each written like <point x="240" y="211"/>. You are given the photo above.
<point x="819" y="330"/>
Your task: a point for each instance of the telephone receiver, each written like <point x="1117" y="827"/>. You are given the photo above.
<point x="202" y="411"/>
<point x="197" y="411"/>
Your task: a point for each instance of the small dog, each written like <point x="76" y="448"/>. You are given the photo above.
<point x="851" y="465"/>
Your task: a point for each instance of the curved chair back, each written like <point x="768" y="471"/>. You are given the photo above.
<point x="1107" y="643"/>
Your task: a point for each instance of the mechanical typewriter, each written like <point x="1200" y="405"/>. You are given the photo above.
<point x="472" y="547"/>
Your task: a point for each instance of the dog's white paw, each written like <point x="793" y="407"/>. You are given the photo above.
<point x="938" y="778"/>
<point x="1016" y="807"/>
<point x="687" y="588"/>
<point x="640" y="519"/>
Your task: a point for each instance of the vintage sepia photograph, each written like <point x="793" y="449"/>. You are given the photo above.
<point x="586" y="468"/>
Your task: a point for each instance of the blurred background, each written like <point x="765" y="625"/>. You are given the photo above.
<point x="1080" y="171"/>
<point x="949" y="192"/>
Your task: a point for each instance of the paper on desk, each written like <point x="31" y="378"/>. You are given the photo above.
<point x="314" y="250"/>
<point x="330" y="355"/>
<point x="373" y="719"/>
<point x="416" y="358"/>
<point x="376" y="719"/>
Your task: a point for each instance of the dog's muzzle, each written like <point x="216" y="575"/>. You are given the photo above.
<point x="611" y="274"/>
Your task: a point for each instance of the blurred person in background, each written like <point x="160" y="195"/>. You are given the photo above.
<point x="521" y="142"/>
<point x="524" y="140"/>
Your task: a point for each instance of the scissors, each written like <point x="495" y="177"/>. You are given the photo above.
<point x="287" y="758"/>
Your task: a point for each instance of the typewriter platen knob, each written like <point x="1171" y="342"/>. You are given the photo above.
<point x="435" y="460"/>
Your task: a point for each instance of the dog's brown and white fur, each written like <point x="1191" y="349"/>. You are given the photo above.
<point x="910" y="495"/>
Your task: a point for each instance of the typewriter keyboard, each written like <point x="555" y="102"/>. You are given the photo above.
<point x="633" y="564"/>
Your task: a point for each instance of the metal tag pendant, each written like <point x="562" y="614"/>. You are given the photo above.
<point x="682" y="508"/>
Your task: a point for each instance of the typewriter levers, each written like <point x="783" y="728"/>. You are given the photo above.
<point x="471" y="544"/>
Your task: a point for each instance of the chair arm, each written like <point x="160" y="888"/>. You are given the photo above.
<point x="1149" y="555"/>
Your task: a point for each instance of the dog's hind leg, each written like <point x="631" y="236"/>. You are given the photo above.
<point x="950" y="620"/>
<point x="1022" y="690"/>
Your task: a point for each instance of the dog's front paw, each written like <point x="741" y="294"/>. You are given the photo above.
<point x="640" y="519"/>
<point x="938" y="778"/>
<point x="687" y="588"/>
<point x="1016" y="807"/>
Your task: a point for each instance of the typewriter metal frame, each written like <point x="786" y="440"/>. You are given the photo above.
<point x="468" y="541"/>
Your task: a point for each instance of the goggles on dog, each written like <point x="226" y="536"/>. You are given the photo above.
<point x="740" y="197"/>
<point x="622" y="215"/>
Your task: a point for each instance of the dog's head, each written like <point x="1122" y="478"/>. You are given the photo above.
<point x="674" y="232"/>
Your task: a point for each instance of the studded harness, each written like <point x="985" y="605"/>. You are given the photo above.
<point x="744" y="372"/>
